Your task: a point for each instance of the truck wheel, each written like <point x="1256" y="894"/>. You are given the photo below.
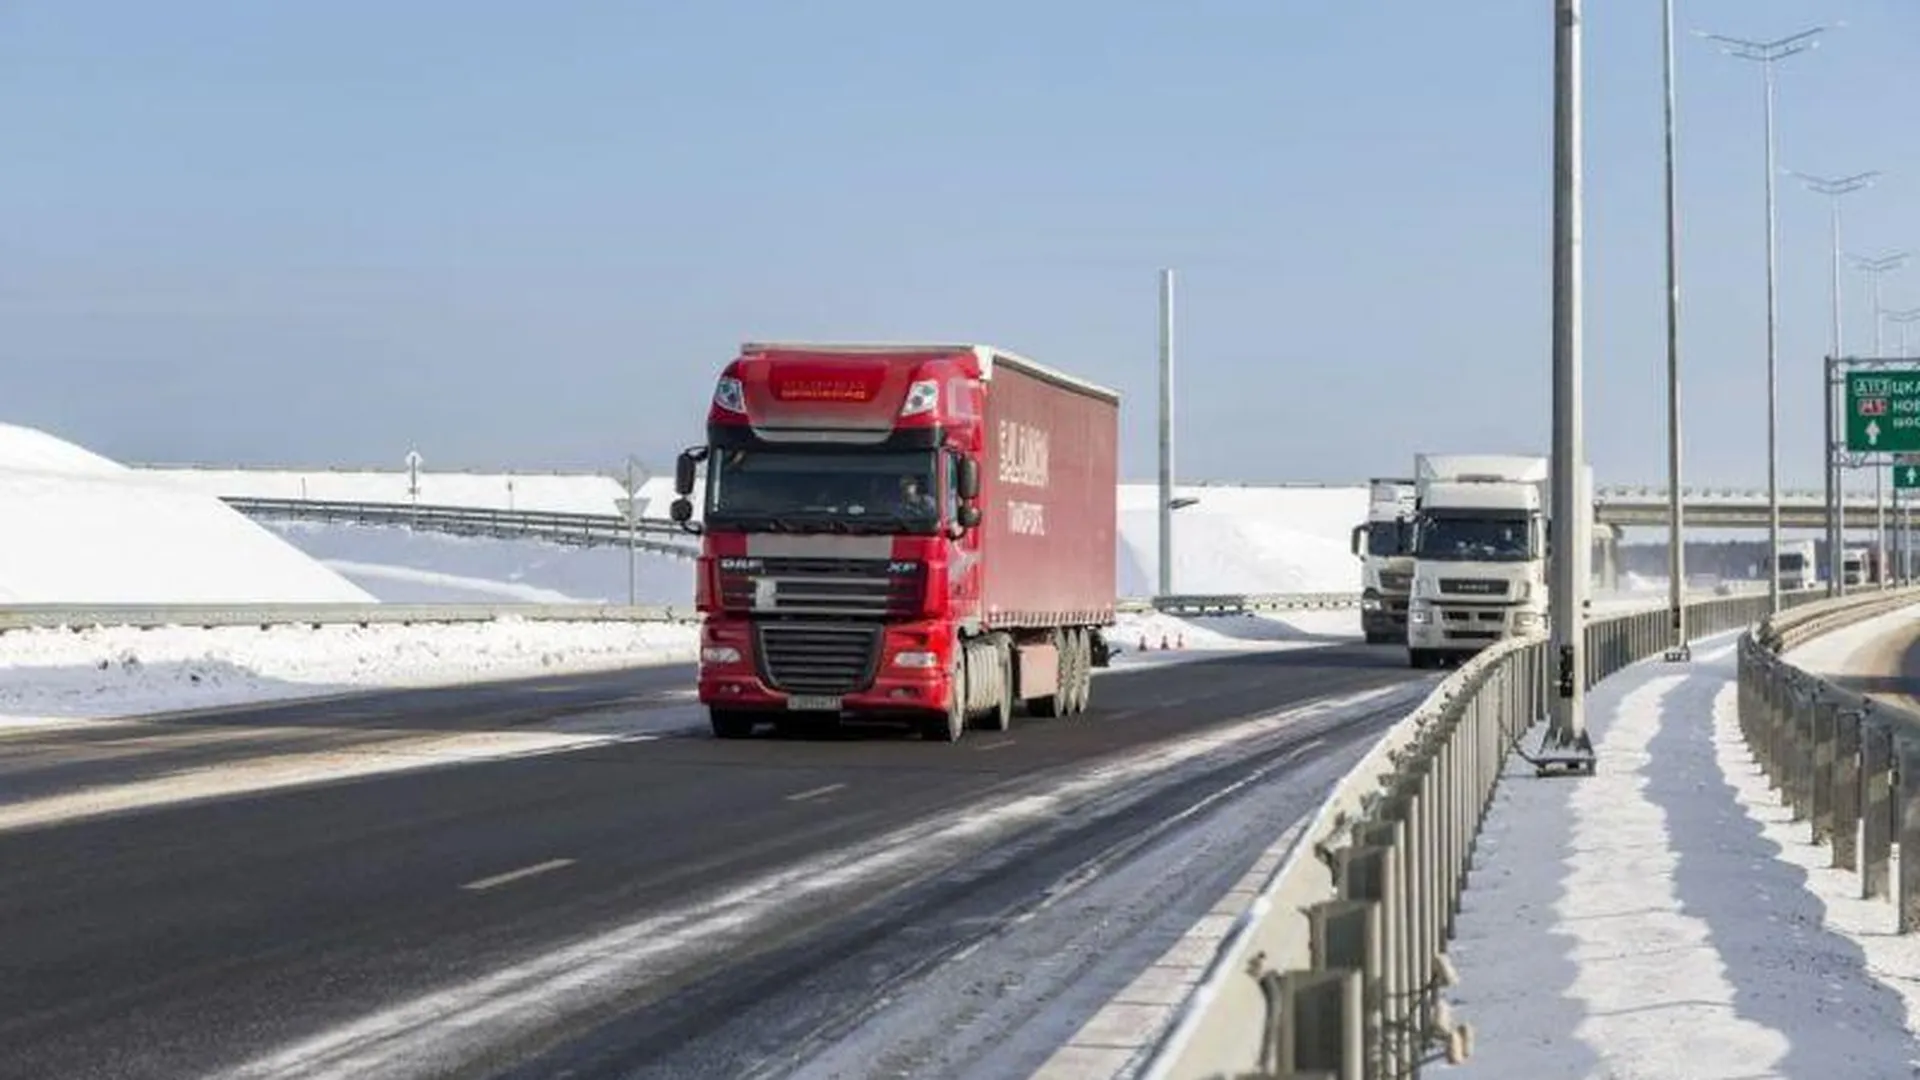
<point x="1420" y="658"/>
<point x="728" y="724"/>
<point x="1055" y="704"/>
<point x="1082" y="670"/>
<point x="950" y="726"/>
<point x="1000" y="716"/>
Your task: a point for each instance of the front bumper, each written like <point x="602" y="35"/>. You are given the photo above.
<point x="908" y="674"/>
<point x="1383" y="614"/>
<point x="1468" y="627"/>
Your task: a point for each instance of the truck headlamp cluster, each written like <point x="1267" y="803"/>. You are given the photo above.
<point x="922" y="397"/>
<point x="728" y="394"/>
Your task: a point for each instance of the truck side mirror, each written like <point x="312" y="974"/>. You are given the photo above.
<point x="969" y="516"/>
<point x="684" y="469"/>
<point x="1359" y="531"/>
<point x="681" y="511"/>
<point x="966" y="479"/>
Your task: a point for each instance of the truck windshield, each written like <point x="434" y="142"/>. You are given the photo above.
<point x="1462" y="539"/>
<point x="836" y="490"/>
<point x="1792" y="560"/>
<point x="1386" y="539"/>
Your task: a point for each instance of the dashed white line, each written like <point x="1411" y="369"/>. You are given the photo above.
<point x="802" y="796"/>
<point x="516" y="875"/>
<point x="1001" y="745"/>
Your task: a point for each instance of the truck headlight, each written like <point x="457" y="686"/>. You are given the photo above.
<point x="719" y="654"/>
<point x="1526" y="620"/>
<point x="1370" y="603"/>
<point x="916" y="658"/>
<point x="1419" y="616"/>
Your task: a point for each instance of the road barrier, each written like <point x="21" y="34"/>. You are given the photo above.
<point x="574" y="529"/>
<point x="1336" y="969"/>
<point x="1844" y="763"/>
<point x="150" y="616"/>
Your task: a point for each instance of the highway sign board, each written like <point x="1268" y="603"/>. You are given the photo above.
<point x="1883" y="412"/>
<point x="1906" y="478"/>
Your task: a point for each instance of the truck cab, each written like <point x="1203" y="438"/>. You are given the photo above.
<point x="1797" y="570"/>
<point x="1384" y="546"/>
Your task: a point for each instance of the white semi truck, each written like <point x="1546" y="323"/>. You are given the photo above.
<point x="1480" y="552"/>
<point x="1797" y="565"/>
<point x="1384" y="545"/>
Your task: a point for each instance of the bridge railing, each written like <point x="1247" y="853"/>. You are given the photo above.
<point x="1335" y="969"/>
<point x="1845" y="763"/>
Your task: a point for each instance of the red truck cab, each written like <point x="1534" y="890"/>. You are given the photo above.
<point x="888" y="532"/>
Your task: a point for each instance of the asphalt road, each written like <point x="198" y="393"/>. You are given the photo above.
<point x="181" y="940"/>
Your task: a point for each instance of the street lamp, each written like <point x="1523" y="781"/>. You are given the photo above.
<point x="1676" y="526"/>
<point x="1835" y="188"/>
<point x="1767" y="54"/>
<point x="1905" y="318"/>
<point x="1903" y="507"/>
<point x="1165" y="581"/>
<point x="1875" y="269"/>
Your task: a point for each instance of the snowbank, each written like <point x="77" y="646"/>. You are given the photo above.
<point x="1663" y="918"/>
<point x="83" y="529"/>
<point x="113" y="672"/>
<point x="1154" y="637"/>
<point x="401" y="566"/>
<point x="1243" y="539"/>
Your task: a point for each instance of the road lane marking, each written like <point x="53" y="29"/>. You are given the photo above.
<point x="802" y="796"/>
<point x="1001" y="745"/>
<point x="516" y="875"/>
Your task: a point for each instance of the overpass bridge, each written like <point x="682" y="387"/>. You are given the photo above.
<point x="1645" y="507"/>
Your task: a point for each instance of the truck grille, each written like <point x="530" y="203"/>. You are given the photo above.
<point x="1473" y="587"/>
<point x="818" y="658"/>
<point x="1394" y="581"/>
<point x="873" y="587"/>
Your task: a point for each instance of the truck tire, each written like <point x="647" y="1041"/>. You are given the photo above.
<point x="1000" y="715"/>
<point x="1082" y="653"/>
<point x="1421" y="658"/>
<point x="949" y="726"/>
<point x="1055" y="704"/>
<point x="729" y="724"/>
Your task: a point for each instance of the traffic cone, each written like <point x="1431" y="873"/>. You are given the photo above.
<point x="1181" y="643"/>
<point x="1143" y="643"/>
<point x="1163" y="642"/>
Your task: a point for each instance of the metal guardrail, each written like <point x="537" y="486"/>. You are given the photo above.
<point x="1335" y="969"/>
<point x="265" y="616"/>
<point x="1844" y="763"/>
<point x="149" y="616"/>
<point x="1237" y="603"/>
<point x="575" y="529"/>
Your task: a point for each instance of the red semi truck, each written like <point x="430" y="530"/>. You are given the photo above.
<point x="918" y="532"/>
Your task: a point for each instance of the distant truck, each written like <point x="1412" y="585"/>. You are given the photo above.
<point x="918" y="532"/>
<point x="1854" y="568"/>
<point x="1480" y="552"/>
<point x="1384" y="545"/>
<point x="1798" y="569"/>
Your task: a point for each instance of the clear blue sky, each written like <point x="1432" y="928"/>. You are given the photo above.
<point x="523" y="234"/>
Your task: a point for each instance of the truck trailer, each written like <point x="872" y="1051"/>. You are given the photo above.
<point x="1384" y="545"/>
<point x="903" y="532"/>
<point x="1480" y="552"/>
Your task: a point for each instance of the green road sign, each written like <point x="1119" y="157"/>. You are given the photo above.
<point x="1883" y="412"/>
<point x="1906" y="478"/>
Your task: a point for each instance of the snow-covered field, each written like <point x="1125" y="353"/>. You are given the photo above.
<point x="1664" y="918"/>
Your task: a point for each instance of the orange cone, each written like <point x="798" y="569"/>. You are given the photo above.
<point x="1163" y="642"/>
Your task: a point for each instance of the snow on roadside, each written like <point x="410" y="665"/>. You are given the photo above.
<point x="1664" y="919"/>
<point x="1154" y="637"/>
<point x="120" y="671"/>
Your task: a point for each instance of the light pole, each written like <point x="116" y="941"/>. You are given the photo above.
<point x="1166" y="433"/>
<point x="1835" y="188"/>
<point x="1767" y="54"/>
<point x="1875" y="269"/>
<point x="1676" y="528"/>
<point x="1567" y="744"/>
<point x="1903" y="505"/>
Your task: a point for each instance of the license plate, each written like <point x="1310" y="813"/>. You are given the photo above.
<point x="813" y="703"/>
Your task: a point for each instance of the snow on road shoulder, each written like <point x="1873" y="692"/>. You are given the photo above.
<point x="1843" y="650"/>
<point x="108" y="672"/>
<point x="1664" y="919"/>
<point x="1154" y="637"/>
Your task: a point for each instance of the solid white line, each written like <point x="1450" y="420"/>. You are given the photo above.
<point x="816" y="792"/>
<point x="516" y="875"/>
